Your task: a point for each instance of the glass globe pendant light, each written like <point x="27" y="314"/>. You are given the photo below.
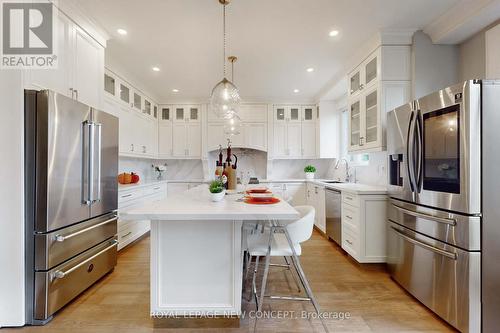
<point x="233" y="125"/>
<point x="225" y="97"/>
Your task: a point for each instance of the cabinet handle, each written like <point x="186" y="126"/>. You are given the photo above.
<point x="348" y="241"/>
<point x="72" y="93"/>
<point x="127" y="234"/>
<point x="315" y="190"/>
<point x="348" y="198"/>
<point x="361" y="86"/>
<point x="76" y="93"/>
<point x="352" y="91"/>
<point x="349" y="217"/>
<point x="127" y="195"/>
<point x="131" y="147"/>
<point x="156" y="188"/>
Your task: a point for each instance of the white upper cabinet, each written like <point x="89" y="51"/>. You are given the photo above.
<point x="253" y="132"/>
<point x="294" y="131"/>
<point x="186" y="113"/>
<point x="381" y="82"/>
<point x="80" y="65"/>
<point x="165" y="131"/>
<point x="186" y="130"/>
<point x="138" y="114"/>
<point x="88" y="69"/>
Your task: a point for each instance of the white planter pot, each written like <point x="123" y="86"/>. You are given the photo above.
<point x="309" y="175"/>
<point x="217" y="196"/>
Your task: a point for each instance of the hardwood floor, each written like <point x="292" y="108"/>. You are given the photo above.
<point x="120" y="301"/>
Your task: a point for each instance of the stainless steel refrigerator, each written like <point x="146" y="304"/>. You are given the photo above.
<point x="71" y="163"/>
<point x="444" y="211"/>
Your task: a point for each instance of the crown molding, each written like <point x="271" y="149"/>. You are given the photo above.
<point x="463" y="20"/>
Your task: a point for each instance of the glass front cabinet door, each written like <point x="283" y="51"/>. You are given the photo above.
<point x="355" y="125"/>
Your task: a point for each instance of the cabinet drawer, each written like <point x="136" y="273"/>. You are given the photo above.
<point x="350" y="240"/>
<point x="156" y="189"/>
<point x="124" y="197"/>
<point x="123" y="224"/>
<point x="350" y="199"/>
<point x="350" y="216"/>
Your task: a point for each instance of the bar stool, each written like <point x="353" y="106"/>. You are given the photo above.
<point x="283" y="240"/>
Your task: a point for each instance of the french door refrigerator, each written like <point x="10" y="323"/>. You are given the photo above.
<point x="444" y="210"/>
<point x="71" y="193"/>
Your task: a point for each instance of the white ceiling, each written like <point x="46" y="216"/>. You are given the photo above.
<point x="275" y="41"/>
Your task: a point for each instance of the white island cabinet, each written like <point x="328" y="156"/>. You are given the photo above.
<point x="196" y="251"/>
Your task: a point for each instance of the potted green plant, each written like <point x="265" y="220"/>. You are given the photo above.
<point x="217" y="190"/>
<point x="309" y="170"/>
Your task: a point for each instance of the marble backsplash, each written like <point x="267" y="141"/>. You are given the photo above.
<point x="294" y="169"/>
<point x="176" y="169"/>
<point x="256" y="163"/>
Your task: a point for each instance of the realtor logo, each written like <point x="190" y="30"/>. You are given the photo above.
<point x="28" y="35"/>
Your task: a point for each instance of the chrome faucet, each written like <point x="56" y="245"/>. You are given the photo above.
<point x="337" y="165"/>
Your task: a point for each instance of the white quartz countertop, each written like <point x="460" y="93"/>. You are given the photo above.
<point x="141" y="183"/>
<point x="355" y="188"/>
<point x="195" y="204"/>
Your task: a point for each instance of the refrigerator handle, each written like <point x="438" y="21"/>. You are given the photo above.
<point x="410" y="164"/>
<point x="98" y="128"/>
<point x="420" y="155"/>
<point x="86" y="162"/>
<point x="91" y="162"/>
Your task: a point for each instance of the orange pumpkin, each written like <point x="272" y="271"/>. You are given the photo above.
<point x="124" y="178"/>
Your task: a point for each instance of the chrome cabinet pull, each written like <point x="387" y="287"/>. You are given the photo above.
<point x="61" y="238"/>
<point x="76" y="93"/>
<point x="62" y="274"/>
<point x="348" y="241"/>
<point x="72" y="93"/>
<point x="349" y="217"/>
<point x="127" y="195"/>
<point x="444" y="220"/>
<point x="156" y="188"/>
<point x="131" y="147"/>
<point x="426" y="246"/>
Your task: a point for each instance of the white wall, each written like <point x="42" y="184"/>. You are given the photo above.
<point x="472" y="63"/>
<point x="12" y="200"/>
<point x="492" y="50"/>
<point x="434" y="66"/>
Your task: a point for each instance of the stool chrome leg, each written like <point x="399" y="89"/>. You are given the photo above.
<point x="300" y="272"/>
<point x="254" y="287"/>
<point x="266" y="270"/>
<point x="293" y="275"/>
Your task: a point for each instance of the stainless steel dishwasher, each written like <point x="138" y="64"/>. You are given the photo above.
<point x="333" y="204"/>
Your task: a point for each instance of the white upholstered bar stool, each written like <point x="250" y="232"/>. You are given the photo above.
<point x="282" y="240"/>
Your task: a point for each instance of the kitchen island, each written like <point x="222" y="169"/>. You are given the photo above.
<point x="196" y="251"/>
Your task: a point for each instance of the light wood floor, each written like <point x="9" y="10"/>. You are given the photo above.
<point x="120" y="301"/>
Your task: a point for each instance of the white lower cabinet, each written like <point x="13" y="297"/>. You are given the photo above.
<point x="315" y="196"/>
<point x="364" y="227"/>
<point x="129" y="197"/>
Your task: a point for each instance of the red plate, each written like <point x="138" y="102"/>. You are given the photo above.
<point x="259" y="190"/>
<point x="271" y="201"/>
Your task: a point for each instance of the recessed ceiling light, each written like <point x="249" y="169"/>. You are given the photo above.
<point x="296" y="90"/>
<point x="310" y="69"/>
<point x="156" y="69"/>
<point x="122" y="31"/>
<point x="333" y="33"/>
<point x="175" y="90"/>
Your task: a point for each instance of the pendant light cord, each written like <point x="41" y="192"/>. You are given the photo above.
<point x="224" y="29"/>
